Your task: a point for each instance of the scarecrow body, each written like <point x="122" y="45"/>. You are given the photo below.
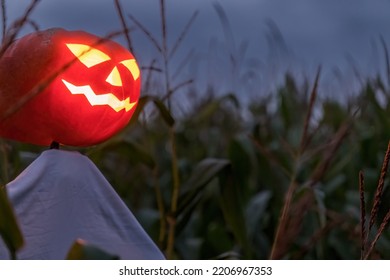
<point x="61" y="197"/>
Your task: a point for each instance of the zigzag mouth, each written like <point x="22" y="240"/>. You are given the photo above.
<point x="104" y="99"/>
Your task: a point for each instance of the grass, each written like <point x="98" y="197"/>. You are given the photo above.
<point x="368" y="247"/>
<point x="233" y="179"/>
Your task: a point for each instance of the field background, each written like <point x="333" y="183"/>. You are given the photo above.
<point x="282" y="175"/>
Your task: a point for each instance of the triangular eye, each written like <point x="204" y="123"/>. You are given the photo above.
<point x="131" y="64"/>
<point x="114" y="78"/>
<point x="87" y="55"/>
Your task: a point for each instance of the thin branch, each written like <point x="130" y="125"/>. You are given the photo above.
<point x="174" y="197"/>
<point x="227" y="30"/>
<point x="151" y="68"/>
<point x="183" y="63"/>
<point x="124" y="25"/>
<point x="160" y="206"/>
<point x="183" y="34"/>
<point x="283" y="220"/>
<point x="180" y="85"/>
<point x="175" y="88"/>
<point x="311" y="135"/>
<point x="149" y="75"/>
<point x="4" y="19"/>
<point x="270" y="156"/>
<point x="329" y="154"/>
<point x="33" y="24"/>
<point x="4" y="162"/>
<point x="314" y="151"/>
<point x="146" y="32"/>
<point x="163" y="27"/>
<point x="379" y="233"/>
<point x="316" y="237"/>
<point x="288" y="148"/>
<point x="17" y="26"/>
<point x="313" y="96"/>
<point x="379" y="190"/>
<point x="362" y="214"/>
<point x="172" y="137"/>
<point x="165" y="52"/>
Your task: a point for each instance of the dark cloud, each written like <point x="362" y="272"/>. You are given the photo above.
<point x="313" y="31"/>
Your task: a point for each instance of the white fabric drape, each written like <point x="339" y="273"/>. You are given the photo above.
<point x="61" y="197"/>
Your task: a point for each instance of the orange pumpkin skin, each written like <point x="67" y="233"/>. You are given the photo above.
<point x="65" y="86"/>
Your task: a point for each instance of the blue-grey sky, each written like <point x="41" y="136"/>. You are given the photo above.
<point x="338" y="34"/>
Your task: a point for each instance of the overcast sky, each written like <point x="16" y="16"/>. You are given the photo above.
<point x="337" y="34"/>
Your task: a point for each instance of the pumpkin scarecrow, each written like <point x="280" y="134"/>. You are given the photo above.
<point x="71" y="88"/>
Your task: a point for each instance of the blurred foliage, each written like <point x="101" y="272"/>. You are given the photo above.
<point x="80" y="250"/>
<point x="274" y="177"/>
<point x="236" y="169"/>
<point x="9" y="229"/>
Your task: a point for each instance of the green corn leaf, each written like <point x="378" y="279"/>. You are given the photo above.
<point x="133" y="151"/>
<point x="81" y="250"/>
<point x="165" y="113"/>
<point x="193" y="190"/>
<point x="163" y="110"/>
<point x="232" y="208"/>
<point x="9" y="228"/>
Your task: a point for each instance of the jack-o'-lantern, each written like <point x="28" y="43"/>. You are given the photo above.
<point x="70" y="87"/>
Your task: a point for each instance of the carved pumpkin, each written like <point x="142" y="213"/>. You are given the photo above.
<point x="69" y="87"/>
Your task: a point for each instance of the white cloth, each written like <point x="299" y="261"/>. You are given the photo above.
<point x="61" y="197"/>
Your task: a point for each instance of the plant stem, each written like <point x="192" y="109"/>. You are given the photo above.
<point x="5" y="161"/>
<point x="4" y="19"/>
<point x="379" y="190"/>
<point x="362" y="214"/>
<point x="382" y="227"/>
<point x="175" y="196"/>
<point x="161" y="208"/>
<point x="313" y="96"/>
<point x="13" y="255"/>
<point x="165" y="52"/>
<point x="124" y="25"/>
<point x="283" y="218"/>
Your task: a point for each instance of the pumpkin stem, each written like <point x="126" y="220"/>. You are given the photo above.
<point x="55" y="145"/>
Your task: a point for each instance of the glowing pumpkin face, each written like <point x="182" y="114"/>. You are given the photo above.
<point x="68" y="86"/>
